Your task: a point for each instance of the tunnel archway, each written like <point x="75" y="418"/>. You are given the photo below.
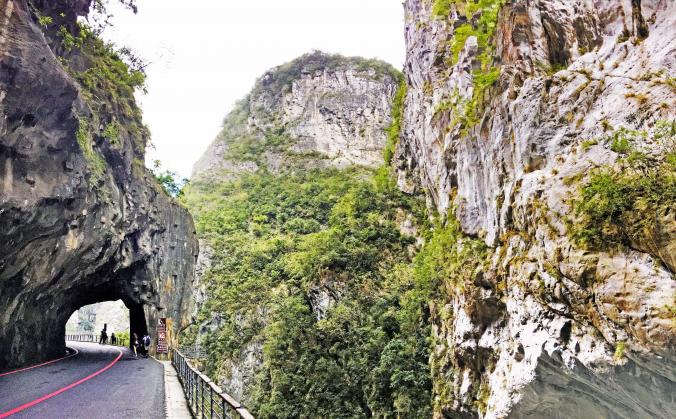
<point x="118" y="317"/>
<point x="92" y="318"/>
<point x="134" y="286"/>
<point x="137" y="322"/>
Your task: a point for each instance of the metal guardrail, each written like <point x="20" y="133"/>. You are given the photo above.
<point x="95" y="339"/>
<point x="81" y="338"/>
<point x="206" y="399"/>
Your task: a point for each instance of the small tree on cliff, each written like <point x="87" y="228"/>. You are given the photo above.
<point x="170" y="181"/>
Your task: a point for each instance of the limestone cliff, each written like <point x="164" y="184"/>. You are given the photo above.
<point x="517" y="112"/>
<point x="81" y="219"/>
<point x="319" y="110"/>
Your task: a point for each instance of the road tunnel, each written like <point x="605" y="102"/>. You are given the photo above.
<point x="78" y="225"/>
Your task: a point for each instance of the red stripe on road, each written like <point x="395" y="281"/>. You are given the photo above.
<point x="40" y="365"/>
<point x="57" y="392"/>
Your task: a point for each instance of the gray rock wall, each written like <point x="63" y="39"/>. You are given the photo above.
<point x="75" y="228"/>
<point x="565" y="67"/>
<point x="323" y="111"/>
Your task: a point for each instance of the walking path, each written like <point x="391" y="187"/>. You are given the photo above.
<point x="176" y="405"/>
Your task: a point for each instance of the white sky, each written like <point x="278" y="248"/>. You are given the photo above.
<point x="207" y="54"/>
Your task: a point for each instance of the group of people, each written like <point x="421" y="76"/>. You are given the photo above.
<point x="103" y="339"/>
<point x="140" y="347"/>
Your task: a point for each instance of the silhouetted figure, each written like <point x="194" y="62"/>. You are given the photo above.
<point x="113" y="339"/>
<point x="104" y="335"/>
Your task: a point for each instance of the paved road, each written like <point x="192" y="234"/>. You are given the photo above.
<point x="129" y="388"/>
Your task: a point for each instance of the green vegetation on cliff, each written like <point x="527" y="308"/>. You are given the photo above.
<point x="109" y="83"/>
<point x="449" y="259"/>
<point x="313" y="266"/>
<point x="108" y="77"/>
<point x="110" y="127"/>
<point x="95" y="162"/>
<point x="619" y="205"/>
<point x="394" y="131"/>
<point x="482" y="18"/>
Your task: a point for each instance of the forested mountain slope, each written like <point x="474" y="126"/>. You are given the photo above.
<point x="309" y="304"/>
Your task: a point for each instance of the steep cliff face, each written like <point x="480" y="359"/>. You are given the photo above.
<point x="319" y="110"/>
<point x="308" y="305"/>
<point x="546" y="129"/>
<point x="81" y="219"/>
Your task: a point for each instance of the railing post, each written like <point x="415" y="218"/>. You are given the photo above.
<point x="197" y="390"/>
<point x="202" y="383"/>
<point x="211" y="402"/>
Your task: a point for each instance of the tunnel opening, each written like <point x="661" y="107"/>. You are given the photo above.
<point x="137" y="321"/>
<point x="150" y="291"/>
<point x="121" y="320"/>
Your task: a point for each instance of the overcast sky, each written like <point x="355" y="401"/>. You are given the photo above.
<point x="206" y="54"/>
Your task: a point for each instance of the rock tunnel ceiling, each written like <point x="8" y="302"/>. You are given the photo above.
<point x="81" y="219"/>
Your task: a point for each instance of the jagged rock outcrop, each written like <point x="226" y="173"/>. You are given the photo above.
<point x="322" y="110"/>
<point x="81" y="219"/>
<point x="511" y="106"/>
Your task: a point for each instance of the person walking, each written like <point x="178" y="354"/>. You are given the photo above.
<point x="113" y="339"/>
<point x="135" y="345"/>
<point x="146" y="344"/>
<point x="104" y="335"/>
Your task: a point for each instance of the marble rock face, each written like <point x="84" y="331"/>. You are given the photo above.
<point x="319" y="110"/>
<point x="571" y="333"/>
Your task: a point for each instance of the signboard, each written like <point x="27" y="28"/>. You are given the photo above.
<point x="162" y="336"/>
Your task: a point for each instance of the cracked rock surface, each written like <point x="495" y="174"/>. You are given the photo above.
<point x="552" y="330"/>
<point x="331" y="110"/>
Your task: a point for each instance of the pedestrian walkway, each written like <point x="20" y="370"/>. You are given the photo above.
<point x="176" y="406"/>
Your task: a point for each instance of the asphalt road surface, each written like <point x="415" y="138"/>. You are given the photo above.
<point x="98" y="381"/>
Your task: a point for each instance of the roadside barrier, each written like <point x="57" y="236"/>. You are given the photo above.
<point x="124" y="342"/>
<point x="206" y="399"/>
<point x="81" y="338"/>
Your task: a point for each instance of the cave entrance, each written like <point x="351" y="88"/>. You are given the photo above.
<point x="119" y="318"/>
